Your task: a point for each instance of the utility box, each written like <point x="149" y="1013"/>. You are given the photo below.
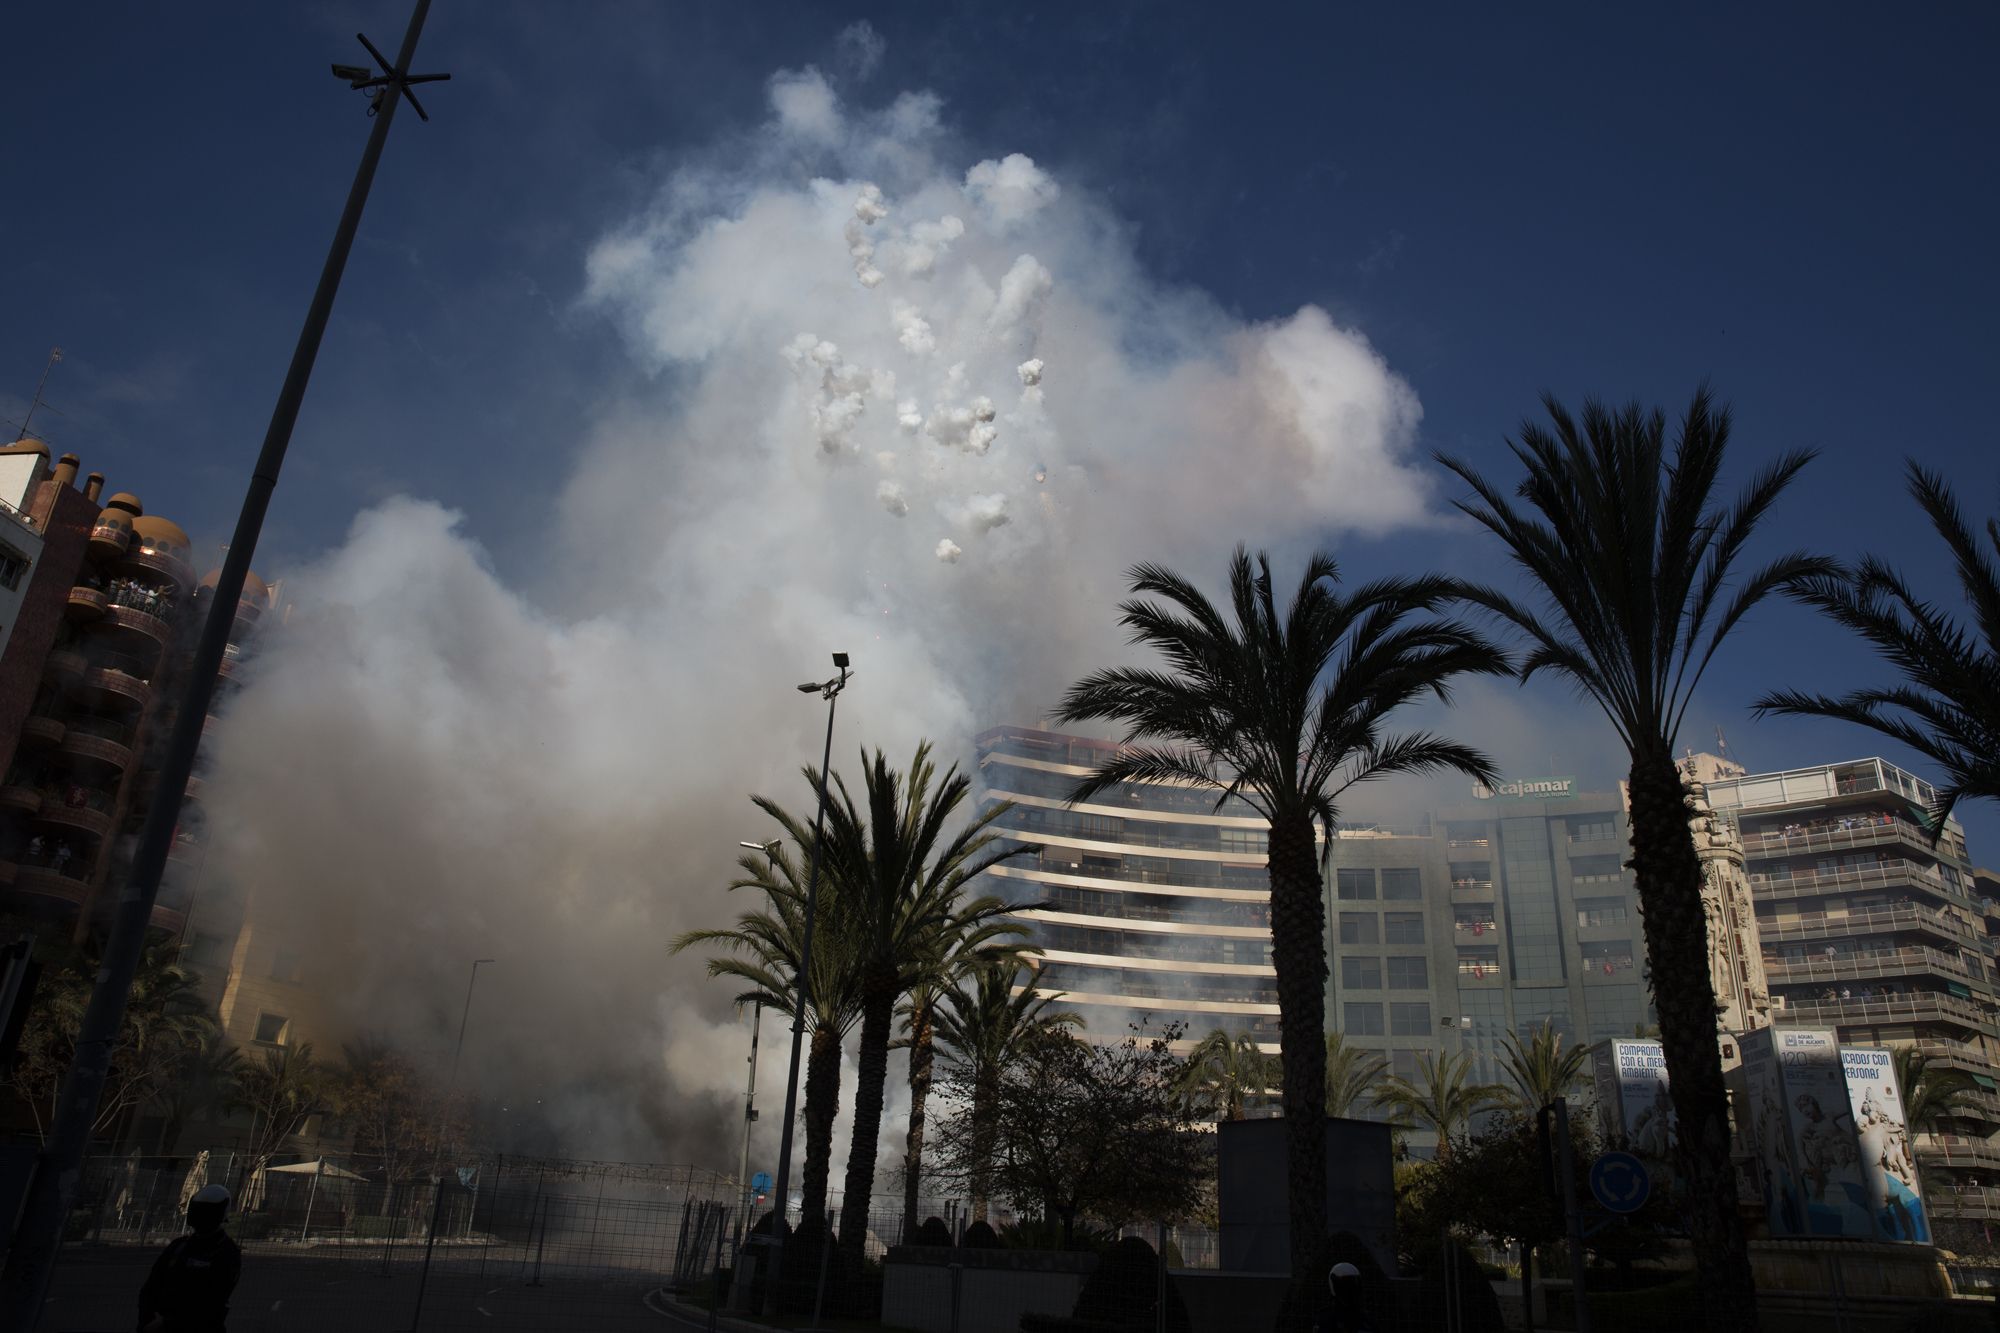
<point x="1252" y="1189"/>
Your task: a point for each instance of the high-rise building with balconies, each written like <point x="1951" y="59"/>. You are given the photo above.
<point x="1875" y="930"/>
<point x="1151" y="904"/>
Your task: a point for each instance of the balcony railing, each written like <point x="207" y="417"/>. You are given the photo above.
<point x="86" y="603"/>
<point x="1133" y="834"/>
<point x="1875" y="920"/>
<point x="68" y="883"/>
<point x="1194" y="912"/>
<point x="1873" y="963"/>
<point x="140" y="621"/>
<point x="1191" y="875"/>
<point x="1472" y="886"/>
<point x="1892" y="873"/>
<point x="1923" y="1007"/>
<point x="1979" y="1202"/>
<point x="161" y="559"/>
<point x="1872" y="833"/>
<point x="1953" y="1150"/>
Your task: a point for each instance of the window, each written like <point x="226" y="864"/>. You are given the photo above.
<point x="1403" y="927"/>
<point x="1472" y="874"/>
<point x="1403" y="1064"/>
<point x="1410" y="1018"/>
<point x="271" y="1029"/>
<point x="1356" y="886"/>
<point x="208" y="950"/>
<point x="1403" y="884"/>
<point x="1359" y="928"/>
<point x="1600" y="912"/>
<point x="1362" y="1019"/>
<point x="1596" y="870"/>
<point x="12" y="566"/>
<point x="1250" y="842"/>
<point x="1409" y="974"/>
<point x="1592" y="830"/>
<point x="1361" y="974"/>
<point x="1102" y="827"/>
<point x="287" y="965"/>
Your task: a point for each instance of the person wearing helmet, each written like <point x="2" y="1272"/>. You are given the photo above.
<point x="189" y="1288"/>
<point x="1344" y="1282"/>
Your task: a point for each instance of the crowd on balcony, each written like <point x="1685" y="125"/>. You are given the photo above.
<point x="59" y="857"/>
<point x="141" y="596"/>
<point x="1830" y="824"/>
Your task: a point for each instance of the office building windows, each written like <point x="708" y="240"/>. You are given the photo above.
<point x="1361" y="974"/>
<point x="1410" y="1018"/>
<point x="1403" y="884"/>
<point x="1409" y="973"/>
<point x="1355" y="885"/>
<point x="1601" y="912"/>
<point x="1403" y="927"/>
<point x="1361" y="1018"/>
<point x="1361" y="928"/>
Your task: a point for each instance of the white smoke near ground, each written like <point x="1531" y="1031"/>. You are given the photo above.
<point x="915" y="407"/>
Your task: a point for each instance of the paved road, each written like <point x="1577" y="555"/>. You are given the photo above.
<point x="347" y="1291"/>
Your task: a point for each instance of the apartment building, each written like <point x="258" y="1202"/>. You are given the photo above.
<point x="1150" y="904"/>
<point x="1871" y="928"/>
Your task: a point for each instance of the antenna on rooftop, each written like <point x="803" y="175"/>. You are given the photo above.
<point x="1721" y="742"/>
<point x="35" y="404"/>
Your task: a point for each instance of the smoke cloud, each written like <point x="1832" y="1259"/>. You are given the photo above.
<point x="906" y="403"/>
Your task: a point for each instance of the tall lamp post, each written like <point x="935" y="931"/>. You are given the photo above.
<point x="58" y="1169"/>
<point x="464" y="1017"/>
<point x="829" y="691"/>
<point x="770" y="850"/>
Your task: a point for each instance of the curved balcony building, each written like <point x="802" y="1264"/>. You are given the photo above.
<point x="1150" y="905"/>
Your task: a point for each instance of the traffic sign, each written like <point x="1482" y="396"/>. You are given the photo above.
<point x="761" y="1182"/>
<point x="1618" y="1180"/>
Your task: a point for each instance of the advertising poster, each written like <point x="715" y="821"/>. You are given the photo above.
<point x="1808" y="1158"/>
<point x="1632" y="1097"/>
<point x="1888" y="1170"/>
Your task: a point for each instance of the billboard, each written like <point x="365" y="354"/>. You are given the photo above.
<point x="1888" y="1171"/>
<point x="1632" y="1100"/>
<point x="1806" y="1155"/>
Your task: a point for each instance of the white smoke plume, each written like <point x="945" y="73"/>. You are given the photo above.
<point x="428" y="765"/>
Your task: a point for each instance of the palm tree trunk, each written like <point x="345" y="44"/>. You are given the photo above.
<point x="1298" y="951"/>
<point x="822" y="1103"/>
<point x="878" y="1012"/>
<point x="985" y="1095"/>
<point x="1669" y="874"/>
<point x="920" y="1091"/>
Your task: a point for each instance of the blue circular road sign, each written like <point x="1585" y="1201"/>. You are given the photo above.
<point x="1619" y="1181"/>
<point x="761" y="1182"/>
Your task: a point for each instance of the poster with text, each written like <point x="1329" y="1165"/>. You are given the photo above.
<point x="1632" y="1097"/>
<point x="1807" y="1155"/>
<point x="1888" y="1170"/>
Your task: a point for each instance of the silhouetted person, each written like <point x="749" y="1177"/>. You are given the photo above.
<point x="189" y="1287"/>
<point x="1344" y="1281"/>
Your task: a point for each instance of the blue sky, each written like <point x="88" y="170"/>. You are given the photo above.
<point x="1796" y="202"/>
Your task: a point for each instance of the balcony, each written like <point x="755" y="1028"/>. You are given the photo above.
<point x="1980" y="1203"/>
<point x="78" y="808"/>
<point x="1466" y="890"/>
<point x="16" y="796"/>
<point x="167" y="919"/>
<point x="109" y="540"/>
<point x="121" y="677"/>
<point x="67" y="662"/>
<point x="1925" y="1007"/>
<point x="86" y="603"/>
<point x="1253" y="886"/>
<point x="1872" y="963"/>
<point x="1955" y="1152"/>
<point x="161" y="560"/>
<point x="185" y="848"/>
<point x="44" y="727"/>
<point x="40" y="875"/>
<point x="1873" y="833"/>
<point x="106" y="745"/>
<point x="1873" y="921"/>
<point x="139" y="622"/>
<point x="1893" y="873"/>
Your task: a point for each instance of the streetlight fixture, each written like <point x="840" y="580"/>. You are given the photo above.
<point x="829" y="691"/>
<point x="770" y="850"/>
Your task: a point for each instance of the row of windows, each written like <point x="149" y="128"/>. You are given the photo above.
<point x="1407" y="1018"/>
<point x="1385" y="928"/>
<point x="1405" y="973"/>
<point x="1138" y="832"/>
<point x="1144" y="796"/>
<point x="1399" y="884"/>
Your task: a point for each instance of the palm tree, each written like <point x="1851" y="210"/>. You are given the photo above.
<point x="1542" y="1070"/>
<point x="1224" y="1072"/>
<point x="1442" y="1097"/>
<point x="1931" y="1094"/>
<point x="1633" y="555"/>
<point x="762" y="951"/>
<point x="1286" y="710"/>
<point x="281" y="1092"/>
<point x="984" y="1023"/>
<point x="904" y="886"/>
<point x="1352" y="1074"/>
<point x="960" y="957"/>
<point x="1948" y="706"/>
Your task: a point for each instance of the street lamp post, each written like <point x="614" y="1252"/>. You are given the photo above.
<point x="829" y="691"/>
<point x="53" y="1185"/>
<point x="465" y="1017"/>
<point x="770" y="850"/>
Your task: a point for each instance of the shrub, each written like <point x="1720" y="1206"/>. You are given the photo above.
<point x="933" y="1233"/>
<point x="979" y="1236"/>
